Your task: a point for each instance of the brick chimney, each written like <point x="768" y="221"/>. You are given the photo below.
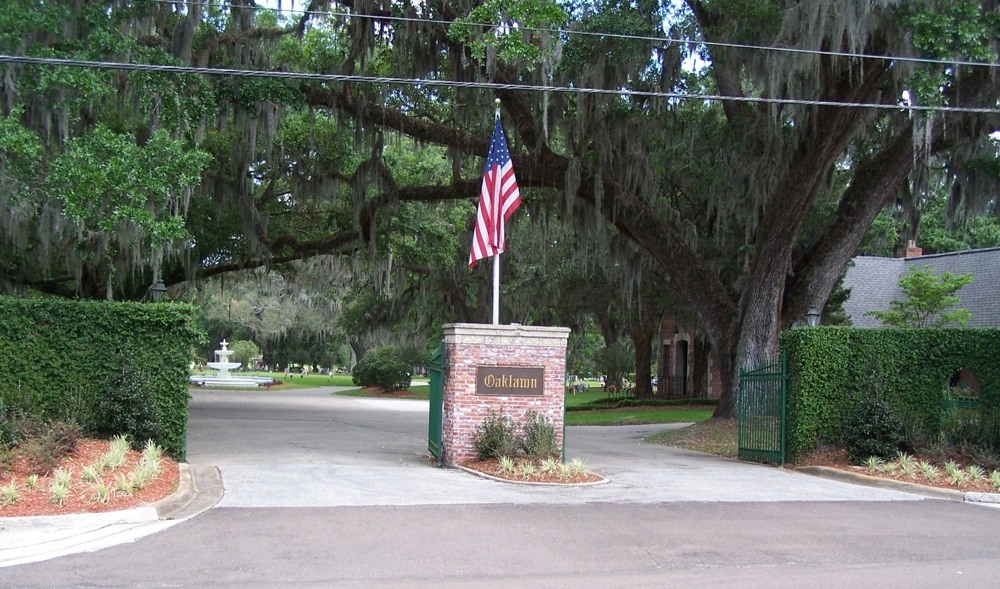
<point x="912" y="251"/>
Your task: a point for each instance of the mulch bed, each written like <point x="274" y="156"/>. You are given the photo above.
<point x="80" y="498"/>
<point x="384" y="394"/>
<point x="837" y="458"/>
<point x="491" y="467"/>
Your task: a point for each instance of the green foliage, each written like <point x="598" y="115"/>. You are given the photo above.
<point x="831" y="368"/>
<point x="927" y="298"/>
<point x="616" y="361"/>
<point x="872" y="429"/>
<point x="496" y="436"/>
<point x="539" y="439"/>
<point x="57" y="353"/>
<point x="125" y="407"/>
<point x="383" y="368"/>
<point x="48" y="445"/>
<point x="506" y="40"/>
<point x="244" y="352"/>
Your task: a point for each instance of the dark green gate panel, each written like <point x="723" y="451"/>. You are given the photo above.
<point x="760" y="411"/>
<point x="434" y="423"/>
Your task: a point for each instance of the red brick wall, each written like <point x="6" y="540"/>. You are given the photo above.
<point x="470" y="345"/>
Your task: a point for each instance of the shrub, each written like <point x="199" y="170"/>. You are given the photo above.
<point x="383" y="368"/>
<point x="46" y="450"/>
<point x="872" y="429"/>
<point x="496" y="436"/>
<point x="126" y="407"/>
<point x="539" y="439"/>
<point x="8" y="439"/>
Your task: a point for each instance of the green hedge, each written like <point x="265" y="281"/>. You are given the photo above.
<point x="830" y="368"/>
<point x="59" y="356"/>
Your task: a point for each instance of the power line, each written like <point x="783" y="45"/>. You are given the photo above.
<point x="777" y="49"/>
<point x="416" y="82"/>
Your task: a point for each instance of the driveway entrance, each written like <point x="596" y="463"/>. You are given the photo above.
<point x="311" y="448"/>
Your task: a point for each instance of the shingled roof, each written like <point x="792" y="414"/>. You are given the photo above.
<point x="874" y="283"/>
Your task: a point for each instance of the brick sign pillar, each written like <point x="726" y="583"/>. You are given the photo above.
<point x="508" y="368"/>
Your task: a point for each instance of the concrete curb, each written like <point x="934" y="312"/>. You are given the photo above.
<point x="870" y="481"/>
<point x="199" y="488"/>
<point x="37" y="538"/>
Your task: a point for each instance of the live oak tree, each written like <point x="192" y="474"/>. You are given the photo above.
<point x="716" y="192"/>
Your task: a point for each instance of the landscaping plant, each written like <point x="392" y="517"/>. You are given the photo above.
<point x="539" y="439"/>
<point x="872" y="429"/>
<point x="496" y="436"/>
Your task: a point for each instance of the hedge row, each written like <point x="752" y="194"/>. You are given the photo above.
<point x="60" y="358"/>
<point x="831" y="368"/>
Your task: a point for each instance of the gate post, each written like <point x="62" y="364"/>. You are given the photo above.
<point x="511" y="369"/>
<point x="435" y="370"/>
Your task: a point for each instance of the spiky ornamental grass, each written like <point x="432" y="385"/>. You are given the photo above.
<point x="101" y="492"/>
<point x="31" y="482"/>
<point x="9" y="493"/>
<point x="874" y="464"/>
<point x="528" y="470"/>
<point x="975" y="473"/>
<point x="507" y="465"/>
<point x="58" y="494"/>
<point x="549" y="466"/>
<point x="907" y="464"/>
<point x="995" y="479"/>
<point x="116" y="454"/>
<point x="124" y="484"/>
<point x="152" y="452"/>
<point x="930" y="472"/>
<point x="578" y="467"/>
<point x="63" y="478"/>
<point x="954" y="473"/>
<point x="92" y="472"/>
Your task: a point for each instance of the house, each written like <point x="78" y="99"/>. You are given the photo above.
<point x="685" y="367"/>
<point x="874" y="283"/>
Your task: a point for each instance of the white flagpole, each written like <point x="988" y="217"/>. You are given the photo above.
<point x="496" y="257"/>
<point x="496" y="289"/>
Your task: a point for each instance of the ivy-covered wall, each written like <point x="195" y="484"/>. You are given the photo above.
<point x="830" y="368"/>
<point x="58" y="356"/>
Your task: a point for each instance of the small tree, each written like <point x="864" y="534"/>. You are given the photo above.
<point x="926" y="299"/>
<point x="244" y="352"/>
<point x="616" y="361"/>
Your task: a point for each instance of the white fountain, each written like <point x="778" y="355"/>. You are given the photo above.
<point x="223" y="378"/>
<point x="222" y="363"/>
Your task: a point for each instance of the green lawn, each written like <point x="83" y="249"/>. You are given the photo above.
<point x="297" y="381"/>
<point x="418" y="391"/>
<point x="577" y="399"/>
<point x="636" y="415"/>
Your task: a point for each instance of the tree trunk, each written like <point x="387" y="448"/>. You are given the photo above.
<point x="642" y="338"/>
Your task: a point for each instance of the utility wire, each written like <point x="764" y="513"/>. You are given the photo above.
<point x="416" y="82"/>
<point x="669" y="40"/>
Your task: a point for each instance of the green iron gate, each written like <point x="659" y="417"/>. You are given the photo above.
<point x="434" y="423"/>
<point x="760" y="410"/>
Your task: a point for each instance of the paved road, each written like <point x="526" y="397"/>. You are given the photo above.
<point x="336" y="492"/>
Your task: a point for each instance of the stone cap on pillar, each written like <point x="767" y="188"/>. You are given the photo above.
<point x="519" y="335"/>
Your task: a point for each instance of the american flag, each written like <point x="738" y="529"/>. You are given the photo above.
<point x="498" y="200"/>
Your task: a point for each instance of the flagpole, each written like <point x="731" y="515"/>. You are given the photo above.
<point x="496" y="289"/>
<point x="496" y="257"/>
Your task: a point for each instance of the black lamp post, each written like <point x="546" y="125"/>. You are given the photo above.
<point x="812" y="317"/>
<point x="157" y="289"/>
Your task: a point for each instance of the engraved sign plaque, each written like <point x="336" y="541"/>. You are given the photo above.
<point x="510" y="381"/>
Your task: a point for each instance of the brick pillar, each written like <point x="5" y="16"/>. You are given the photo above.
<point x="527" y="356"/>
